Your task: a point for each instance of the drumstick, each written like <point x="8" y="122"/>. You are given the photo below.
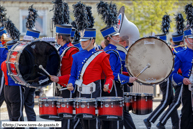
<point x="42" y="68"/>
<point x="63" y="89"/>
<point x="147" y="66"/>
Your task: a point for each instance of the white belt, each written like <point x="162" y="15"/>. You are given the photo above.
<point x="87" y="89"/>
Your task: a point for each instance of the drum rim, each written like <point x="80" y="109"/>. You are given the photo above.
<point x="65" y="100"/>
<point x="109" y="98"/>
<point x="137" y="79"/>
<point x="85" y="100"/>
<point x="54" y="98"/>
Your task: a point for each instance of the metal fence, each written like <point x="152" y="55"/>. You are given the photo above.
<point x="137" y="88"/>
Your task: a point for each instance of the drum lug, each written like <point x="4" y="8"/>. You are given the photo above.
<point x="40" y="104"/>
<point x="95" y="104"/>
<point x="120" y="104"/>
<point x="101" y="104"/>
<point x="134" y="98"/>
<point x="112" y="104"/>
<point x="67" y="105"/>
<point x="77" y="105"/>
<point x="52" y="104"/>
<point x="146" y="98"/>
<point x="87" y="105"/>
<point x="46" y="105"/>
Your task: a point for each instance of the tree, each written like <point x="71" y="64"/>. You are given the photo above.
<point x="147" y="15"/>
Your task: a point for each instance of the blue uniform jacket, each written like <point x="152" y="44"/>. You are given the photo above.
<point x="3" y="53"/>
<point x="123" y="56"/>
<point x="184" y="61"/>
<point x="177" y="49"/>
<point x="78" y="61"/>
<point x="115" y="63"/>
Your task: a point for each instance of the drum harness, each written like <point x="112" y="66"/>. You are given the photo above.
<point x="120" y="70"/>
<point x="82" y="88"/>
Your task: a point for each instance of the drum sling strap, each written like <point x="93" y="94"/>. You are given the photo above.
<point x="85" y="65"/>
<point x="61" y="56"/>
<point x="114" y="84"/>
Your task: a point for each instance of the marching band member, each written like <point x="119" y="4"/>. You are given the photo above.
<point x="172" y="110"/>
<point x="95" y="69"/>
<point x="167" y="92"/>
<point x="128" y="121"/>
<point x="184" y="60"/>
<point x="67" y="49"/>
<point x="3" y="56"/>
<point x="13" y="92"/>
<point x="111" y="40"/>
<point x="29" y="92"/>
<point x="89" y="65"/>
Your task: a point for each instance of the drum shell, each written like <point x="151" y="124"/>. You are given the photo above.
<point x="85" y="109"/>
<point x="24" y="58"/>
<point x="110" y="110"/>
<point x="48" y="108"/>
<point x="65" y="108"/>
<point x="128" y="100"/>
<point x="142" y="104"/>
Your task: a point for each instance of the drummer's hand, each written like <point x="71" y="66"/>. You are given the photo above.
<point x="132" y="79"/>
<point x="70" y="87"/>
<point x="54" y="78"/>
<point x="106" y="88"/>
<point x="186" y="81"/>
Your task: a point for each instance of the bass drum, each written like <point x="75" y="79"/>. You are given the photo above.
<point x="154" y="51"/>
<point x="23" y="62"/>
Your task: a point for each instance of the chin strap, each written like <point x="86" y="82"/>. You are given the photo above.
<point x="89" y="43"/>
<point x="188" y="41"/>
<point x="113" y="39"/>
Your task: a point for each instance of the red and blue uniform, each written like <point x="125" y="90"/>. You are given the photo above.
<point x="97" y="68"/>
<point x="66" y="63"/>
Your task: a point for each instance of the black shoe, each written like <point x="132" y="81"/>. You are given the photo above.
<point x="147" y="123"/>
<point x="160" y="126"/>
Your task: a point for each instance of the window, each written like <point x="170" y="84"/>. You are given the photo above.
<point x="40" y="24"/>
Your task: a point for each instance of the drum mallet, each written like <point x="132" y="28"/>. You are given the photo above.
<point x="42" y="68"/>
<point x="147" y="66"/>
<point x="63" y="89"/>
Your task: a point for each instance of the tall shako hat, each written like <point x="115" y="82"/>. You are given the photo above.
<point x="165" y="28"/>
<point x="75" y="33"/>
<point x="84" y="21"/>
<point x="189" y="16"/>
<point x="61" y="18"/>
<point x="178" y="35"/>
<point x="3" y="18"/>
<point x="109" y="16"/>
<point x="30" y="24"/>
<point x="13" y="32"/>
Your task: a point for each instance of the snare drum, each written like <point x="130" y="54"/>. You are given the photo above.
<point x="48" y="108"/>
<point x="128" y="101"/>
<point x="142" y="103"/>
<point x="110" y="108"/>
<point x="23" y="62"/>
<point x="65" y="108"/>
<point x="85" y="108"/>
<point x="154" y="51"/>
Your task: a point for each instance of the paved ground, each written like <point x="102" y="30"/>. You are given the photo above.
<point x="138" y="119"/>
